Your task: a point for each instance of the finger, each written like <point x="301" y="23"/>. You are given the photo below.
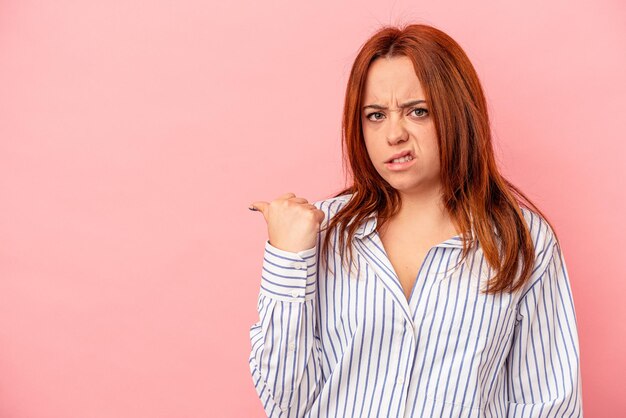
<point x="320" y="214"/>
<point x="298" y="200"/>
<point x="287" y="195"/>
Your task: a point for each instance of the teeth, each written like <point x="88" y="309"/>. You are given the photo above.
<point x="403" y="159"/>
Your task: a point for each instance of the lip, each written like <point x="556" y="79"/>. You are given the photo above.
<point x="399" y="155"/>
<point x="400" y="166"/>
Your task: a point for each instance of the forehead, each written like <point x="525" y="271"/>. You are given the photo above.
<point x="392" y="79"/>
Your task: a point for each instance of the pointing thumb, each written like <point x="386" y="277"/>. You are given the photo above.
<point x="259" y="206"/>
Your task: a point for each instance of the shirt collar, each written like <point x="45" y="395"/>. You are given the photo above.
<point x="368" y="226"/>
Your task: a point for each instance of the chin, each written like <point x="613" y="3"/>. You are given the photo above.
<point x="408" y="185"/>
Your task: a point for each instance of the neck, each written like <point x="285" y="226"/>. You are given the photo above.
<point x="423" y="206"/>
<point x="425" y="212"/>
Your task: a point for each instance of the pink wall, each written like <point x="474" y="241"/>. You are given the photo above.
<point x="133" y="136"/>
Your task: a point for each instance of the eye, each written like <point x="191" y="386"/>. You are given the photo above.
<point x="422" y="112"/>
<point x="369" y="116"/>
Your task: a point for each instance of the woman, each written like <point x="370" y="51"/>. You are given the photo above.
<point x="453" y="298"/>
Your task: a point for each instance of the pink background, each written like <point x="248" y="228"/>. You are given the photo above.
<point x="134" y="134"/>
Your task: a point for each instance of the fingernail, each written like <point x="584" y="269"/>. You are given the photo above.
<point x="252" y="208"/>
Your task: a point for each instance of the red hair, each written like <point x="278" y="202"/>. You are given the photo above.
<point x="473" y="190"/>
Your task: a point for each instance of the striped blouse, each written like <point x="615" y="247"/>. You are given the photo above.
<point x="341" y="342"/>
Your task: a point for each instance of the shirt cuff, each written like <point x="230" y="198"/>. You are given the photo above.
<point x="288" y="275"/>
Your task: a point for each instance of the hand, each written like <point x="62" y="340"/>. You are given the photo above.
<point x="292" y="222"/>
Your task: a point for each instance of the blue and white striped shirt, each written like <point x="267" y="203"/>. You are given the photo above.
<point x="350" y="344"/>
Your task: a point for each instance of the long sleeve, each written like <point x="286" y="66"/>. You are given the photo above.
<point x="543" y="366"/>
<point x="284" y="357"/>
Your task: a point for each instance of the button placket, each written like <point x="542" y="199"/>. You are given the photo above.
<point x="406" y="331"/>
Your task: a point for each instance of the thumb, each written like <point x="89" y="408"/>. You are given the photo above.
<point x="259" y="206"/>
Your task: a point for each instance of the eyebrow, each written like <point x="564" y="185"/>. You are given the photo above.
<point x="403" y="106"/>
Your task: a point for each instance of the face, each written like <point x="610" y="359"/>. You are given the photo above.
<point x="395" y="119"/>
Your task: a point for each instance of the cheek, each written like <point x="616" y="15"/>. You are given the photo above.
<point x="431" y="148"/>
<point x="374" y="157"/>
<point x="372" y="151"/>
<point x="433" y="157"/>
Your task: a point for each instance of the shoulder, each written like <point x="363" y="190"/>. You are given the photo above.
<point x="542" y="234"/>
<point x="539" y="227"/>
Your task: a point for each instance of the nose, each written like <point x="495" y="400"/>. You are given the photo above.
<point x="395" y="129"/>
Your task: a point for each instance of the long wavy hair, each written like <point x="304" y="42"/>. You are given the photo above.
<point x="473" y="190"/>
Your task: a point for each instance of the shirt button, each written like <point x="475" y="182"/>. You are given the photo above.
<point x="400" y="380"/>
<point x="284" y="408"/>
<point x="295" y="293"/>
<point x="300" y="266"/>
<point x="292" y="346"/>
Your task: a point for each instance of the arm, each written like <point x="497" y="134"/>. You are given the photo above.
<point x="543" y="366"/>
<point x="284" y="356"/>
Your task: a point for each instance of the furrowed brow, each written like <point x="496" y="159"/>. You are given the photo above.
<point x="403" y="106"/>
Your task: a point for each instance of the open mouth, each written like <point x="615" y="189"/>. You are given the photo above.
<point x="401" y="157"/>
<point x="400" y="163"/>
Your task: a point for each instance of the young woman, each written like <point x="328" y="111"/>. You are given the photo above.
<point x="453" y="298"/>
